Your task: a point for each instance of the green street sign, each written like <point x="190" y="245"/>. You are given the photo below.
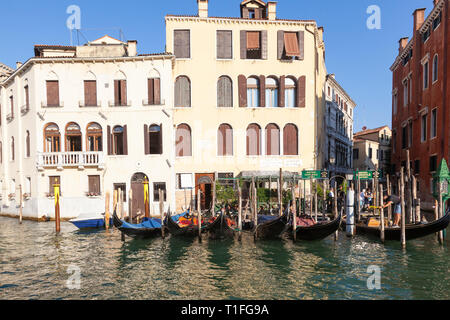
<point x="314" y="174"/>
<point x="368" y="175"/>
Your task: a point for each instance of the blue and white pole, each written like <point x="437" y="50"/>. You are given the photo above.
<point x="350" y="222"/>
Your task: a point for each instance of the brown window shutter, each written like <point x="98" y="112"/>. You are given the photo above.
<point x="182" y="43"/>
<point x="224" y="44"/>
<point x="157" y="91"/>
<point x="28" y="144"/>
<point x="245" y="13"/>
<point x="52" y="93"/>
<point x="301" y="92"/>
<point x="262" y="91"/>
<point x="243" y="44"/>
<point x="123" y="92"/>
<point x="109" y="139"/>
<point x="11" y="100"/>
<point x="146" y="140"/>
<point x="116" y="92"/>
<point x="281" y="94"/>
<point x="125" y="140"/>
<point x="90" y="93"/>
<point x="291" y="44"/>
<point x="27" y="96"/>
<point x="280" y="44"/>
<point x="161" y="151"/>
<point x="94" y="184"/>
<point x="151" y="91"/>
<point x="264" y="53"/>
<point x="242" y="84"/>
<point x="301" y="44"/>
<point x="290" y="143"/>
<point x="258" y="13"/>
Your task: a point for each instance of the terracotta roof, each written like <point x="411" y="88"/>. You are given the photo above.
<point x="51" y="46"/>
<point x="361" y="133"/>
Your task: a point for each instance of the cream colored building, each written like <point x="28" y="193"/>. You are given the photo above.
<point x="93" y="118"/>
<point x="372" y="148"/>
<point x="248" y="95"/>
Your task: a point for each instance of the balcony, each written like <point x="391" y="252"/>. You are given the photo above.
<point x="146" y="103"/>
<point x="44" y="104"/>
<point x="25" y="109"/>
<point x="61" y="160"/>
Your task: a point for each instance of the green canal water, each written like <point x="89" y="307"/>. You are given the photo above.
<point x="34" y="264"/>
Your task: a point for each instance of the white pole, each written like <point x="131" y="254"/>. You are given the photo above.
<point x="350" y="229"/>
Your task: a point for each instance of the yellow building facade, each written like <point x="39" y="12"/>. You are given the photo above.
<point x="248" y="96"/>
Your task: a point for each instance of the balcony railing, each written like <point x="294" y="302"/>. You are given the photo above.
<point x="70" y="159"/>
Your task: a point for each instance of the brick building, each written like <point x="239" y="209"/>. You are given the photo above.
<point x="420" y="110"/>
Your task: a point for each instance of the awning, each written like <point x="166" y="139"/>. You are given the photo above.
<point x="253" y="40"/>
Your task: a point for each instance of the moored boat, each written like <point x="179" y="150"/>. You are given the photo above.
<point x="187" y="227"/>
<point x="317" y="230"/>
<point x="412" y="231"/>
<point x="221" y="228"/>
<point x="90" y="221"/>
<point x="272" y="229"/>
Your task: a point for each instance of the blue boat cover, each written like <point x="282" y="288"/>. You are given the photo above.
<point x="263" y="219"/>
<point x="148" y="223"/>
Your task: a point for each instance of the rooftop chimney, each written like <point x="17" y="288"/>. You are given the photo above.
<point x="419" y="18"/>
<point x="272" y="10"/>
<point x="132" y="48"/>
<point x="202" y="8"/>
<point x="435" y="2"/>
<point x="18" y="64"/>
<point x="402" y="44"/>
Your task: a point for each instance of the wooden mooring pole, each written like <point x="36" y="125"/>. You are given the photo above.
<point x="409" y="206"/>
<point x="199" y="216"/>
<point x="336" y="210"/>
<point x="107" y="215"/>
<point x="57" y="206"/>
<point x="389" y="190"/>
<point x="416" y="200"/>
<point x="381" y="213"/>
<point x="161" y="211"/>
<point x="280" y="195"/>
<point x="240" y="214"/>
<point x="294" y="216"/>
<point x="20" y="204"/>
<point x="402" y="197"/>
<point x="441" y="214"/>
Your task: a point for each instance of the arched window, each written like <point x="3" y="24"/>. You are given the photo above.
<point x="52" y="138"/>
<point x="155" y="139"/>
<point x="289" y="93"/>
<point x="183" y="92"/>
<point x="224" y="92"/>
<point x="253" y="92"/>
<point x="290" y="140"/>
<point x="271" y="92"/>
<point x="73" y="137"/>
<point x="27" y="145"/>
<point x="12" y="149"/>
<point x="94" y="137"/>
<point x="118" y="140"/>
<point x="435" y="68"/>
<point x="272" y="140"/>
<point x="225" y="140"/>
<point x="183" y="142"/>
<point x="254" y="140"/>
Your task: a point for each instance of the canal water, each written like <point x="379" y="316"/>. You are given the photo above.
<point x="36" y="264"/>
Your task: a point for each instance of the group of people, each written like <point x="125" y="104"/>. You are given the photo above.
<point x="366" y="199"/>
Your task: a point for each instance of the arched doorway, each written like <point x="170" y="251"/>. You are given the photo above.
<point x="204" y="183"/>
<point x="137" y="204"/>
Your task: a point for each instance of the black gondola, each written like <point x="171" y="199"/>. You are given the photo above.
<point x="272" y="229"/>
<point x="188" y="231"/>
<point x="220" y="228"/>
<point x="318" y="231"/>
<point x="149" y="228"/>
<point x="412" y="231"/>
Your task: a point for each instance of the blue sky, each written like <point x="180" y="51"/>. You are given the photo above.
<point x="360" y="58"/>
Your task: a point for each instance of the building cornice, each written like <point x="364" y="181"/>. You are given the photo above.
<point x="433" y="14"/>
<point x="52" y="60"/>
<point x="343" y="92"/>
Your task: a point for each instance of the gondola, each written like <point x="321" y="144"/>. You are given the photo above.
<point x="317" y="231"/>
<point x="188" y="231"/>
<point x="412" y="231"/>
<point x="272" y="229"/>
<point x="149" y="228"/>
<point x="220" y="228"/>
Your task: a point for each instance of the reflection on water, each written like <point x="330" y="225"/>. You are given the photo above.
<point x="34" y="263"/>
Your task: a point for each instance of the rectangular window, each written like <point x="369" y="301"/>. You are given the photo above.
<point x="437" y="21"/>
<point x="425" y="75"/>
<point x="404" y="137"/>
<point x="224" y="44"/>
<point x="253" y="45"/>
<point x="433" y="163"/>
<point x="416" y="166"/>
<point x="405" y="93"/>
<point x="53" y="180"/>
<point x="156" y="187"/>
<point x="184" y="181"/>
<point x="52" y="94"/>
<point x="355" y="154"/>
<point x="433" y="123"/>
<point x="94" y="185"/>
<point x="123" y="188"/>
<point x="410" y="135"/>
<point x="154" y="91"/>
<point x="11" y="104"/>
<point x="370" y="153"/>
<point x="426" y="35"/>
<point x="90" y="93"/>
<point x="27" y="97"/>
<point x="424" y="128"/>
<point x="182" y="44"/>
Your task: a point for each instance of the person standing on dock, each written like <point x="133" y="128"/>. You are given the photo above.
<point x="393" y="200"/>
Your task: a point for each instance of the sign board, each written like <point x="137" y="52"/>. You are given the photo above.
<point x="368" y="175"/>
<point x="314" y="174"/>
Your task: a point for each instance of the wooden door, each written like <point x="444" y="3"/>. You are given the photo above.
<point x="137" y="203"/>
<point x="203" y="182"/>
